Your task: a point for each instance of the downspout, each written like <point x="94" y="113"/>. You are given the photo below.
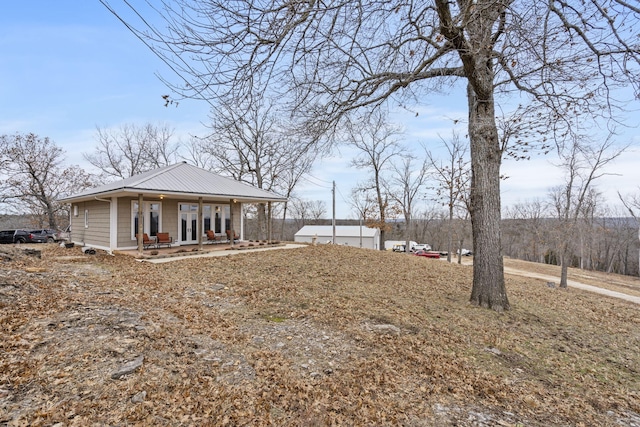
<point x="269" y="225"/>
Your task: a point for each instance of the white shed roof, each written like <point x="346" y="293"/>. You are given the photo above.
<point x="341" y="230"/>
<point x="180" y="179"/>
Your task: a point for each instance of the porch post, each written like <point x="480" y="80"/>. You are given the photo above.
<point x="233" y="231"/>
<point x="200" y="222"/>
<point x="269" y="224"/>
<point x="140" y="224"/>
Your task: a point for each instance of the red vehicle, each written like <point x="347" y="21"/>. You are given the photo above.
<point x="427" y="254"/>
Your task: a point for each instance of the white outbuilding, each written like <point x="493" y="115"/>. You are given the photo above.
<point x="350" y="235"/>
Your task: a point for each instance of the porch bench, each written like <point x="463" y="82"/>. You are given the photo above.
<point x="231" y="234"/>
<point x="146" y="241"/>
<point x="163" y="239"/>
<point x="212" y="237"/>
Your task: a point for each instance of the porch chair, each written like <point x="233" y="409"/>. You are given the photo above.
<point x="146" y="241"/>
<point x="232" y="233"/>
<point x="212" y="238"/>
<point x="163" y="239"/>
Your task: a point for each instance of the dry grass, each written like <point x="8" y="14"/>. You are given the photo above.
<point x="314" y="336"/>
<point x="625" y="284"/>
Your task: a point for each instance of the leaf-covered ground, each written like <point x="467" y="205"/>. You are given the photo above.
<point x="315" y="336"/>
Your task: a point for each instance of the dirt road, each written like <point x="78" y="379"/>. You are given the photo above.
<point x="555" y="279"/>
<point x="574" y="284"/>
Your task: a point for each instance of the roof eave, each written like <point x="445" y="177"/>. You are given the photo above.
<point x="120" y="192"/>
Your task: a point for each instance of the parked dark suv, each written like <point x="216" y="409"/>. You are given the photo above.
<point x="50" y="234"/>
<point x="21" y="236"/>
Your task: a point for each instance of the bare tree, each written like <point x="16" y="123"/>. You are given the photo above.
<point x="427" y="226"/>
<point x="328" y="59"/>
<point x="307" y="210"/>
<point x="453" y="177"/>
<point x="363" y="202"/>
<point x="404" y="185"/>
<point x="613" y="238"/>
<point x="632" y="204"/>
<point x="250" y="141"/>
<point x="197" y="155"/>
<point x="131" y="150"/>
<point x="375" y="139"/>
<point x="583" y="163"/>
<point x="527" y="228"/>
<point x="34" y="178"/>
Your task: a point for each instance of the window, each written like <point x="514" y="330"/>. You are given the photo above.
<point x="206" y="218"/>
<point x="213" y="218"/>
<point x="227" y="218"/>
<point x="86" y="218"/>
<point x="218" y="220"/>
<point x="152" y="218"/>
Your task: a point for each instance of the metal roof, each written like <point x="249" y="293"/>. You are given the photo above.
<point x="341" y="230"/>
<point x="180" y="179"/>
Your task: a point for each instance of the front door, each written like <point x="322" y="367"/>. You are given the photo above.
<point x="188" y="224"/>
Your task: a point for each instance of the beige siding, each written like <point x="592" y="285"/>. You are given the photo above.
<point x="97" y="232"/>
<point x="170" y="218"/>
<point x="237" y="217"/>
<point x="124" y="222"/>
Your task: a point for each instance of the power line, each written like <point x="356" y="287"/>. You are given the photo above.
<point x="152" y="49"/>
<point x="342" y="196"/>
<point x="328" y="186"/>
<point x="320" y="179"/>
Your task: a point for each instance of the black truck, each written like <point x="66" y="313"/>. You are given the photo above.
<point x="21" y="236"/>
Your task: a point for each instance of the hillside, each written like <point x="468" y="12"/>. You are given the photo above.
<point x="304" y="337"/>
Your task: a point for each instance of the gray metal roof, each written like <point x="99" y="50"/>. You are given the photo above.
<point x="341" y="230"/>
<point x="180" y="179"/>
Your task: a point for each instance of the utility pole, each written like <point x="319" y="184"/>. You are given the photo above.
<point x="333" y="221"/>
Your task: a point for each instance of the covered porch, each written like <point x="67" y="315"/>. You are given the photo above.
<point x="180" y="206"/>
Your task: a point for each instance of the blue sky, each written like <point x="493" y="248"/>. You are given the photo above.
<point x="69" y="66"/>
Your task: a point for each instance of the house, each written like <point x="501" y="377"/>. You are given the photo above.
<point x="351" y="235"/>
<point x="180" y="199"/>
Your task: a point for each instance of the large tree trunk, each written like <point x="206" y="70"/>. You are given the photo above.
<point x="450" y="230"/>
<point x="564" y="272"/>
<point x="52" y="215"/>
<point x="488" y="270"/>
